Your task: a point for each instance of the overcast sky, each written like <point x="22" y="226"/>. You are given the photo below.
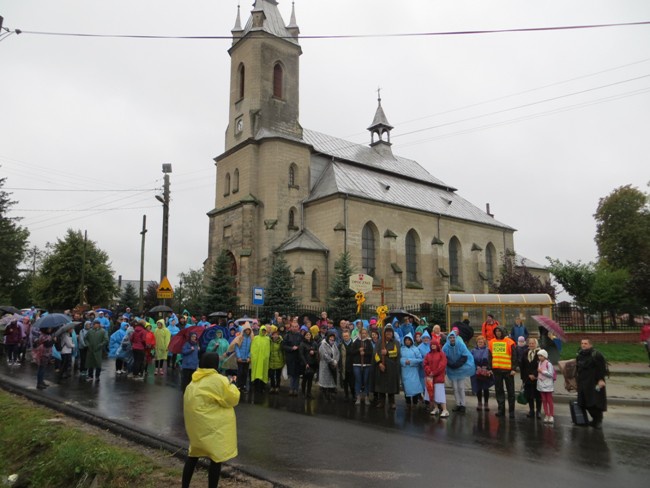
<point x="540" y="125"/>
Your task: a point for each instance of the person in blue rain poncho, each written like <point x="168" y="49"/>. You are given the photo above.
<point x="411" y="362"/>
<point x="424" y="348"/>
<point x="114" y="344"/>
<point x="460" y="366"/>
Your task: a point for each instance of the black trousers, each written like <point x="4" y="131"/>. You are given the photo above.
<point x="502" y="377"/>
<point x="214" y="473"/>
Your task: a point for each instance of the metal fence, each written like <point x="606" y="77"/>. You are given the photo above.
<point x="571" y="317"/>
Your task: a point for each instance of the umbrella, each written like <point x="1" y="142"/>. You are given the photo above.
<point x="209" y="334"/>
<point x="65" y="328"/>
<point x="161" y="308"/>
<point x="51" y="320"/>
<point x="105" y="310"/>
<point x="400" y="314"/>
<point x="176" y="344"/>
<point x="218" y="314"/>
<point x="7" y="319"/>
<point x="550" y="325"/>
<point x="9" y="309"/>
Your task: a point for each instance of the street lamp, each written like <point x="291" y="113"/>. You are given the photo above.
<point x="164" y="199"/>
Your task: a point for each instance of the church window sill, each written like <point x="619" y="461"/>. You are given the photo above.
<point x="294" y="187"/>
<point x="414" y="285"/>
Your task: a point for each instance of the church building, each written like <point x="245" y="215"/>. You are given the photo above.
<point x="282" y="188"/>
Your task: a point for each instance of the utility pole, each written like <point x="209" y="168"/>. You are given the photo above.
<point x="144" y="231"/>
<point x="166" y="169"/>
<point x="82" y="293"/>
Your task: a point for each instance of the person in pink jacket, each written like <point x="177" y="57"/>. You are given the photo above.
<point x="435" y="366"/>
<point x="545" y="384"/>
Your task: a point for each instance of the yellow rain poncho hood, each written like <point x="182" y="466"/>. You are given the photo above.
<point x="210" y="421"/>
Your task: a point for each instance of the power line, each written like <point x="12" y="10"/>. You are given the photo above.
<point x="82" y="190"/>
<point x="346" y="36"/>
<point x="525" y="105"/>
<point x="77" y="209"/>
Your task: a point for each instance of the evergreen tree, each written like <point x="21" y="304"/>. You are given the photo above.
<point x="58" y="284"/>
<point x="130" y="297"/>
<point x="279" y="293"/>
<point x="519" y="279"/>
<point x="192" y="292"/>
<point x="221" y="292"/>
<point x="150" y="299"/>
<point x="340" y="297"/>
<point x="13" y="246"/>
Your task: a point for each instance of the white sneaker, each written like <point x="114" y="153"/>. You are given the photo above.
<point x="551" y="420"/>
<point x="435" y="411"/>
<point x="444" y="414"/>
<point x="545" y="419"/>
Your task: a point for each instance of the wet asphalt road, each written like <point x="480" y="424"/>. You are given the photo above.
<point x="315" y="443"/>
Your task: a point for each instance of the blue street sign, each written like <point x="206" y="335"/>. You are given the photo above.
<point x="258" y="296"/>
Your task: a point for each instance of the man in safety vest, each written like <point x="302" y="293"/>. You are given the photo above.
<point x="504" y="365"/>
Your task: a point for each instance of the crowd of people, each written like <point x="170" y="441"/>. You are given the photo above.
<point x="369" y="363"/>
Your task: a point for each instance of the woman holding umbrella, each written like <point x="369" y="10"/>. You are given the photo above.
<point x="42" y="353"/>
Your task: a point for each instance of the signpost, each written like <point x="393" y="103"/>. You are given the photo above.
<point x="361" y="282"/>
<point x="165" y="290"/>
<point x="258" y="298"/>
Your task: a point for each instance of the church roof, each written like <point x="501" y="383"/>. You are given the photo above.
<point x="303" y="241"/>
<point x="524" y="261"/>
<point x="353" y="180"/>
<point x="367" y="156"/>
<point x="273" y="24"/>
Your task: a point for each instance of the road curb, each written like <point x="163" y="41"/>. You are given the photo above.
<point x="121" y="429"/>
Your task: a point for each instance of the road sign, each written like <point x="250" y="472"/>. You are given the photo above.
<point x="361" y="282"/>
<point x="258" y="296"/>
<point x="165" y="289"/>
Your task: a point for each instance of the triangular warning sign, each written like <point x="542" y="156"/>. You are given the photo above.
<point x="165" y="285"/>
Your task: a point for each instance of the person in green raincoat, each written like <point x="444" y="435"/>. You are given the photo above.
<point x="163" y="336"/>
<point x="276" y="360"/>
<point x="220" y="346"/>
<point x="260" y="354"/>
<point x="96" y="340"/>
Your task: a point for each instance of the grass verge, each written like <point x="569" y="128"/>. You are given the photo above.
<point x="47" y="450"/>
<point x="627" y="353"/>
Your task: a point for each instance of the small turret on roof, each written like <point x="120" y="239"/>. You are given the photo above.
<point x="293" y="28"/>
<point x="380" y="127"/>
<point x="237" y="31"/>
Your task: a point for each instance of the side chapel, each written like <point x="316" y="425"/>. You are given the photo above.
<point x="282" y="188"/>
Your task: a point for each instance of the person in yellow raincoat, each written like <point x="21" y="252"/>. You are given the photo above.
<point x="260" y="356"/>
<point x="163" y="336"/>
<point x="210" y="423"/>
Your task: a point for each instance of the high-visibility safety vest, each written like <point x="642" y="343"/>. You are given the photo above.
<point x="501" y="353"/>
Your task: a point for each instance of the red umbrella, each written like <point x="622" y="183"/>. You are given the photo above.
<point x="550" y="325"/>
<point x="177" y="342"/>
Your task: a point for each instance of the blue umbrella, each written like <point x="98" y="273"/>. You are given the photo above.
<point x="51" y="321"/>
<point x="105" y="310"/>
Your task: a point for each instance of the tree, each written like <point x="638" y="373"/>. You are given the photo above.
<point x="340" y="297"/>
<point x="221" y="292"/>
<point x="279" y="293"/>
<point x="577" y="278"/>
<point x="610" y="291"/>
<point x="58" y="285"/>
<point x="192" y="290"/>
<point x="130" y="297"/>
<point x="519" y="279"/>
<point x="150" y="299"/>
<point x="622" y="230"/>
<point x="13" y="245"/>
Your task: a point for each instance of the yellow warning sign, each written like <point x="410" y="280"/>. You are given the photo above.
<point x="165" y="289"/>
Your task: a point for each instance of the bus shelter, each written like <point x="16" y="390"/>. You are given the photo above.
<point x="504" y="308"/>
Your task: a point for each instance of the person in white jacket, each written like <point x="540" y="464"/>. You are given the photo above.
<point x="545" y="384"/>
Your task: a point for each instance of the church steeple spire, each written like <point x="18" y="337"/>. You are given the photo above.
<point x="380" y="127"/>
<point x="293" y="28"/>
<point x="237" y="30"/>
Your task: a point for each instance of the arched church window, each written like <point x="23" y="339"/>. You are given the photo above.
<point x="242" y="80"/>
<point x="454" y="262"/>
<point x="412" y="256"/>
<point x="292" y="175"/>
<point x="226" y="185"/>
<point x="368" y="249"/>
<point x="490" y="259"/>
<point x="235" y="181"/>
<point x="278" y="80"/>
<point x="292" y="218"/>
<point x="314" y="285"/>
